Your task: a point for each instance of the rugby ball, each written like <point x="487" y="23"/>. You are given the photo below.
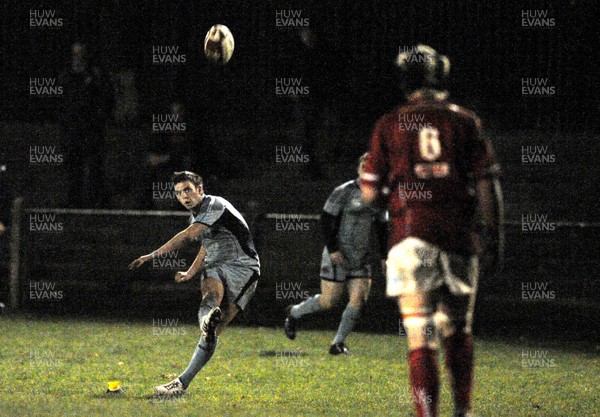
<point x="219" y="44"/>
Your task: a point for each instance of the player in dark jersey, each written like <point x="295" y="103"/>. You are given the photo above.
<point x="351" y="231"/>
<point x="227" y="261"/>
<point x="438" y="175"/>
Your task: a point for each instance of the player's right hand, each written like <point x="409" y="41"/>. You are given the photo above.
<point x="140" y="261"/>
<point x="182" y="276"/>
<point x="337" y="258"/>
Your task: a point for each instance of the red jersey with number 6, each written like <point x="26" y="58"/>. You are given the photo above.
<point x="427" y="155"/>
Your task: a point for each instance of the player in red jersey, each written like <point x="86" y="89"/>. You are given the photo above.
<point x="440" y="179"/>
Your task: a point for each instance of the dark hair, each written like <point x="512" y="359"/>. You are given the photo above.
<point x="181" y="176"/>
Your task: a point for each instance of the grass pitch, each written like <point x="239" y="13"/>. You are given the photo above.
<point x="57" y="367"/>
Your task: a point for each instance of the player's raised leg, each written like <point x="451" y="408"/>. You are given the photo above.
<point x="358" y="293"/>
<point x="330" y="295"/>
<point x="228" y="315"/>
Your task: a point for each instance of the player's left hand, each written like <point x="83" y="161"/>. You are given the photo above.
<point x="140" y="261"/>
<point x="182" y="276"/>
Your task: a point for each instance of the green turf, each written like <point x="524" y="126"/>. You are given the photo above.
<point x="61" y="368"/>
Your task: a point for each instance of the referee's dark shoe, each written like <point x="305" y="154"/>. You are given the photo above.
<point x="289" y="326"/>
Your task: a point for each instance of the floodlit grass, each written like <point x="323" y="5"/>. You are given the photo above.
<point x="59" y="367"/>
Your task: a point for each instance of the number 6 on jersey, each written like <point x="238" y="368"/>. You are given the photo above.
<point x="429" y="143"/>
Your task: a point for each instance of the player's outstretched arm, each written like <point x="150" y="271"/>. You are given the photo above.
<point x="181" y="239"/>
<point x="197" y="265"/>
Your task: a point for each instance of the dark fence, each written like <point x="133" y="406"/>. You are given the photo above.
<point x="75" y="262"/>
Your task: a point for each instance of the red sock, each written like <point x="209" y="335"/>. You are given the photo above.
<point x="459" y="363"/>
<point x="424" y="380"/>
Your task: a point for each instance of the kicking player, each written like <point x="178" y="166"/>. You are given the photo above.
<point x="227" y="261"/>
<point x="350" y="228"/>
<point x="439" y="170"/>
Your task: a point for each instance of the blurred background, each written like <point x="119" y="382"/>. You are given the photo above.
<point x="103" y="100"/>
